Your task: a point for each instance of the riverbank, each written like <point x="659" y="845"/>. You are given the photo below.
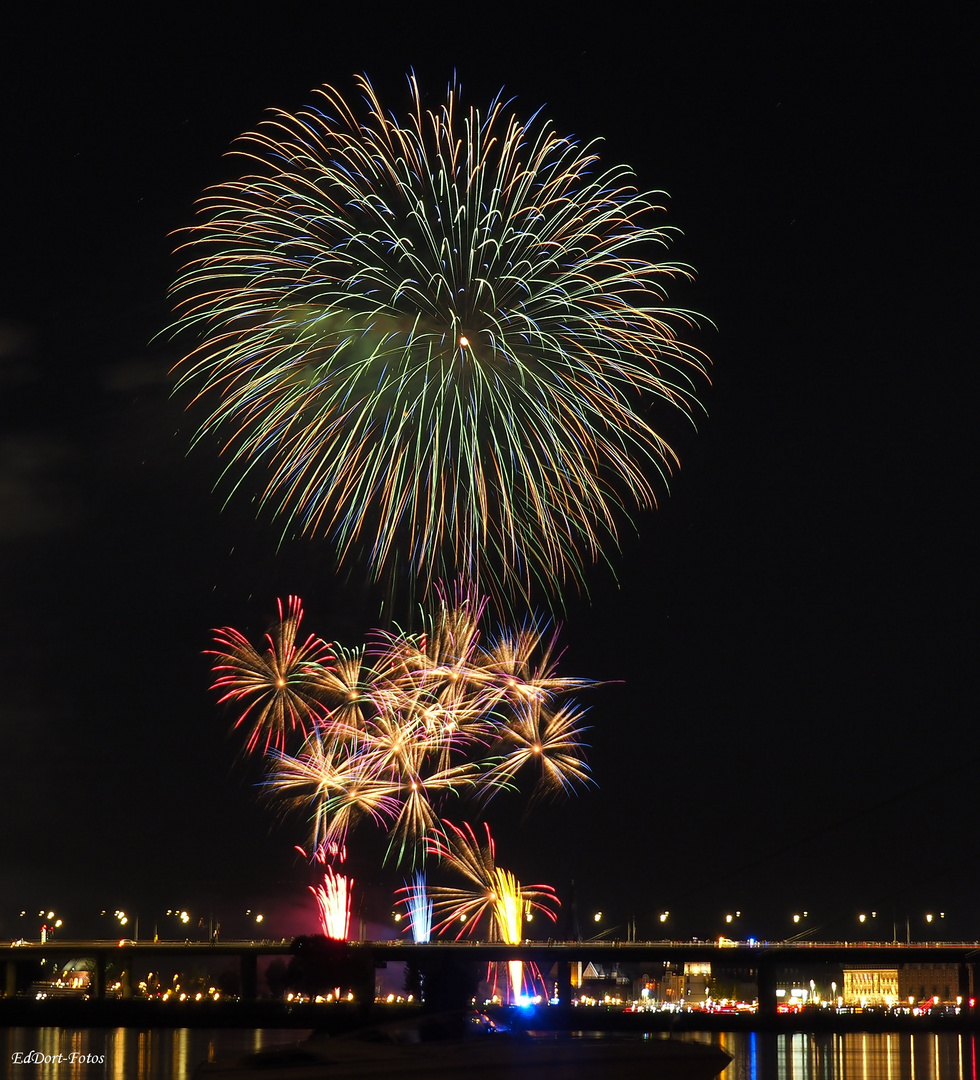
<point x="337" y="1018"/>
<point x="822" y="1020"/>
<point x="68" y="1012"/>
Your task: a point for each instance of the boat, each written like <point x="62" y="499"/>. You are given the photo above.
<point x="441" y="1048"/>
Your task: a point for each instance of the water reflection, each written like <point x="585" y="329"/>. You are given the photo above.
<point x="131" y="1054"/>
<point x="853" y="1056"/>
<point x="55" y="1053"/>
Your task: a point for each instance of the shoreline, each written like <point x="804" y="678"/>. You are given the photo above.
<point x="338" y="1018"/>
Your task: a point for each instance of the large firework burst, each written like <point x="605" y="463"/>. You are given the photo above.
<point x="437" y="337"/>
<point x="393" y="732"/>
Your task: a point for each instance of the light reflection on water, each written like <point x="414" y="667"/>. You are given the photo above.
<point x="172" y="1053"/>
<point x="126" y="1053"/>
<point x="851" y="1056"/>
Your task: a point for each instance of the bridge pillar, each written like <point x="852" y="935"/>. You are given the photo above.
<point x="563" y="969"/>
<point x="10" y="979"/>
<point x="365" y="984"/>
<point x="126" y="978"/>
<point x="249" y="976"/>
<point x="767" y="988"/>
<point x="98" y="976"/>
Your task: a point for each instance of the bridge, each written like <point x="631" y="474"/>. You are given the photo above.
<point x="767" y="958"/>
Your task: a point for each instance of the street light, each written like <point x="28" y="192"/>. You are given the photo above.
<point x="124" y="921"/>
<point x="799" y="918"/>
<point x="930" y="916"/>
<point x="50" y="925"/>
<point x="863" y="917"/>
<point x="181" y="915"/>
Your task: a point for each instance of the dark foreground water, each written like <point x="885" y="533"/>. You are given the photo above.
<point x="132" y="1054"/>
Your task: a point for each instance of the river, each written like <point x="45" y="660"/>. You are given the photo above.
<point x="849" y="1056"/>
<point x="54" y="1053"/>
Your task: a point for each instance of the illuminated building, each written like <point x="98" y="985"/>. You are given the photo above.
<point x="905" y="984"/>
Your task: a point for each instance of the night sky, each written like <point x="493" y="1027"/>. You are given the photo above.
<point x="790" y="723"/>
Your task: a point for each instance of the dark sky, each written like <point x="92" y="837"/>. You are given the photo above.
<point x="792" y="726"/>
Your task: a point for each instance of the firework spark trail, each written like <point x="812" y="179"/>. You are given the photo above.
<point x="333" y="893"/>
<point x="437" y="337"/>
<point x="333" y="903"/>
<point x="420" y="907"/>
